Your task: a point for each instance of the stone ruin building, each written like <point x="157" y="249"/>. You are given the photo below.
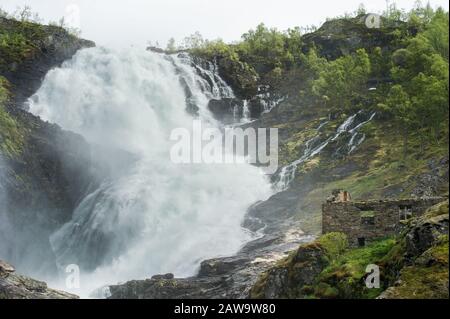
<point x="365" y="221"/>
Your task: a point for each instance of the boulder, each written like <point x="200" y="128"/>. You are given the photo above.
<point x="14" y="286"/>
<point x="5" y="269"/>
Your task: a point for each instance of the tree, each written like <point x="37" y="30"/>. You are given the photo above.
<point x="194" y="41"/>
<point x="361" y="10"/>
<point x="23" y="14"/>
<point x="343" y="79"/>
<point x="436" y="32"/>
<point x="422" y="83"/>
<point x="398" y="104"/>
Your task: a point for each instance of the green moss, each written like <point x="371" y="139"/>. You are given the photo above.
<point x="11" y="134"/>
<point x="347" y="272"/>
<point x="422" y="283"/>
<point x="325" y="291"/>
<point x="257" y="291"/>
<point x="334" y="244"/>
<point x="19" y="40"/>
<point x="437" y="210"/>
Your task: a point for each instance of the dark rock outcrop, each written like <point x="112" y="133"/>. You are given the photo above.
<point x="425" y="234"/>
<point x="299" y="270"/>
<point x="425" y="272"/>
<point x="242" y="78"/>
<point x="227" y="110"/>
<point x="14" y="286"/>
<point x="54" y="46"/>
<point x="344" y="36"/>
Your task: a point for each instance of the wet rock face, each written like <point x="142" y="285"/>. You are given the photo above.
<point x="52" y="50"/>
<point x="433" y="182"/>
<point x="44" y="182"/>
<point x="160" y="288"/>
<point x="426" y="234"/>
<point x="217" y="267"/>
<point x="310" y="261"/>
<point x="5" y="269"/>
<point x="425" y="271"/>
<point x="343" y="36"/>
<point x="242" y="79"/>
<point x="276" y="285"/>
<point x="226" y="110"/>
<point x="299" y="270"/>
<point x="14" y="286"/>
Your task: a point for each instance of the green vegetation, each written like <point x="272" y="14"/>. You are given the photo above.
<point x="410" y="72"/>
<point x="345" y="274"/>
<point x="418" y="101"/>
<point x="22" y="35"/>
<point x="11" y="134"/>
<point x="334" y="244"/>
<point x="19" y="39"/>
<point x="342" y="80"/>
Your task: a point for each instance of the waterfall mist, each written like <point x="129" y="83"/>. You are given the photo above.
<point x="149" y="216"/>
<point x="5" y="227"/>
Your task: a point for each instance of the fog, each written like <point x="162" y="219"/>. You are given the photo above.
<point x="136" y="22"/>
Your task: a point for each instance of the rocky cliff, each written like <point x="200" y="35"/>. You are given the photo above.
<point x="46" y="170"/>
<point x="15" y="286"/>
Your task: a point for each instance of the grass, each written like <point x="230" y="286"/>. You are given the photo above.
<point x="11" y="133"/>
<point x="20" y="40"/>
<point x="334" y="244"/>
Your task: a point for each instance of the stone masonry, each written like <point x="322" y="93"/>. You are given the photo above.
<point x="364" y="221"/>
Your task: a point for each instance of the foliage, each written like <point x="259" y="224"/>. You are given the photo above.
<point x="267" y="51"/>
<point x="418" y="100"/>
<point x="334" y="244"/>
<point x="14" y="47"/>
<point x="11" y="135"/>
<point x="342" y="80"/>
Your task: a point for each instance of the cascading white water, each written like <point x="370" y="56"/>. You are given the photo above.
<point x="153" y="216"/>
<point x="287" y="173"/>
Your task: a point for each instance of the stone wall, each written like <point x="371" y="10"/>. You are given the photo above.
<point x="365" y="221"/>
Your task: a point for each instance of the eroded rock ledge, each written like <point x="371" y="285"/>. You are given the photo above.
<point x="15" y="286"/>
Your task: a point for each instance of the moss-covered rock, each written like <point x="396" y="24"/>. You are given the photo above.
<point x="11" y="132"/>
<point x="339" y="37"/>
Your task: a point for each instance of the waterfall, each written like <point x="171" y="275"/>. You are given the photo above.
<point x="245" y="112"/>
<point x="314" y="146"/>
<point x="152" y="216"/>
